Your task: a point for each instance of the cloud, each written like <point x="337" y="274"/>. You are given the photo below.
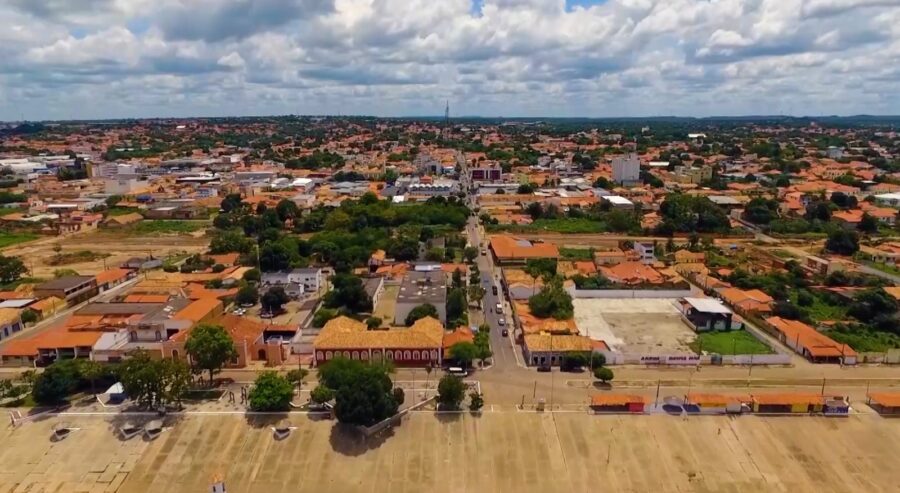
<point x="399" y="57"/>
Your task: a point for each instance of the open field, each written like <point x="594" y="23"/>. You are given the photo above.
<point x="386" y="304"/>
<point x="731" y="342"/>
<point x="9" y="239"/>
<point x="497" y="452"/>
<point x="150" y="227"/>
<point x="120" y="245"/>
<point x="635" y="326"/>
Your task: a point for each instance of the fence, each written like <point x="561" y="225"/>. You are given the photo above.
<point x="629" y="293"/>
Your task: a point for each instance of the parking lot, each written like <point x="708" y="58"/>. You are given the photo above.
<point x="495" y="452"/>
<point x="635" y="326"/>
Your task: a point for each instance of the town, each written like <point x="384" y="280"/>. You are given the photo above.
<point x="361" y="285"/>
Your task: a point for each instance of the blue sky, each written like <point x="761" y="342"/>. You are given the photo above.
<point x="159" y="58"/>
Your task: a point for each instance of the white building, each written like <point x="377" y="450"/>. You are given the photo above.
<point x="618" y="202"/>
<point x="626" y="169"/>
<point x="645" y="251"/>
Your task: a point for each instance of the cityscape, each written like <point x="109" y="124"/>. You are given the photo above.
<point x="284" y="272"/>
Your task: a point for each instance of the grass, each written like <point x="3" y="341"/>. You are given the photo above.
<point x="9" y="239"/>
<point x="121" y="211"/>
<point x="26" y="401"/>
<point x="821" y="310"/>
<point x="5" y="211"/>
<point x="563" y="225"/>
<point x="888" y="269"/>
<point x="168" y="226"/>
<point x="784" y="254"/>
<point x="864" y="340"/>
<point x="76" y="257"/>
<point x="733" y="342"/>
<point x="577" y="253"/>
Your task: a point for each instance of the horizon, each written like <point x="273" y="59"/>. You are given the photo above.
<point x="127" y="59"/>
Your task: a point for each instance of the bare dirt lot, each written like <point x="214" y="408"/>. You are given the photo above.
<point x="119" y="245"/>
<point x="635" y="326"/>
<point x="498" y="452"/>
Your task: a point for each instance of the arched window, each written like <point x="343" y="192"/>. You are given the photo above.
<point x="320" y="355"/>
<point x="434" y="355"/>
<point x="328" y="355"/>
<point x="262" y="355"/>
<point x="415" y="355"/>
<point x="389" y="354"/>
<point x="355" y="355"/>
<point x="364" y="355"/>
<point x="174" y="354"/>
<point x="347" y="354"/>
<point x="407" y="355"/>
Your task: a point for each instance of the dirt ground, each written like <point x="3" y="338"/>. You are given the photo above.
<point x="386" y="304"/>
<point x="119" y="245"/>
<point x="497" y="452"/>
<point x="635" y="326"/>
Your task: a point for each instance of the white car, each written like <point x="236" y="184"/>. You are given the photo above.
<point x="501" y="322"/>
<point x="499" y="308"/>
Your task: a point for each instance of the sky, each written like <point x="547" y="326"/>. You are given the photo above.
<point x="88" y="59"/>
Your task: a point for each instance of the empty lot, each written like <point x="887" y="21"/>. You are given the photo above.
<point x="498" y="452"/>
<point x="635" y="326"/>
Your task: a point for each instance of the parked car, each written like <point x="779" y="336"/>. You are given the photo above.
<point x="502" y="322"/>
<point x="457" y="371"/>
<point x="499" y="308"/>
<point x="483" y="251"/>
<point x="505" y="333"/>
<point x="494" y="290"/>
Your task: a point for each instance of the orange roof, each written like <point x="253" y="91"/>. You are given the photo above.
<point x="239" y="328"/>
<point x="346" y="333"/>
<point x="816" y="343"/>
<point x="585" y="267"/>
<point x="536" y="325"/>
<point x="616" y="399"/>
<point x="701" y="398"/>
<point x="198" y="310"/>
<point x="852" y="216"/>
<point x="12" y="295"/>
<point x="509" y="247"/>
<point x="451" y="268"/>
<point x="752" y="299"/>
<point x="632" y="273"/>
<point x="111" y="275"/>
<point x="886" y="399"/>
<point x="789" y="398"/>
<point x="226" y="259"/>
<point x="461" y="334"/>
<point x="146" y="298"/>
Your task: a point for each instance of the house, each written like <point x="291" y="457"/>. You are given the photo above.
<point x="512" y="250"/>
<point x="374" y="287"/>
<point x="810" y="343"/>
<point x="645" y="251"/>
<point x="295" y="282"/>
<point x="461" y="334"/>
<point x="706" y="314"/>
<point x="419" y="345"/>
<point x="420" y="288"/>
<point x="548" y="349"/>
<point x="752" y="300"/>
<point x="72" y="289"/>
<point x="632" y="273"/>
<point x="123" y="220"/>
<point x="10" y="322"/>
<point x="252" y="342"/>
<point x="177" y="210"/>
<point x="821" y="266"/>
<point x="612" y="257"/>
<point x="109" y="279"/>
<point x="688" y="257"/>
<point x="884" y="403"/>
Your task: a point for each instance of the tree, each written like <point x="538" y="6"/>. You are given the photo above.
<point x="457" y="307"/>
<point x="274" y="299"/>
<point x="247" y="295"/>
<point x="231" y="202"/>
<point x="210" y="348"/>
<point x="287" y="209"/>
<point x="552" y="301"/>
<point x="373" y="322"/>
<point x="399" y="396"/>
<point x="321" y="394"/>
<point x="868" y="223"/>
<point x="451" y="391"/>
<point x="476" y="401"/>
<point x="112" y="200"/>
<point x="92" y="371"/>
<point x="29" y="316"/>
<point x="252" y="275"/>
<point x="271" y="393"/>
<point x="573" y="362"/>
<point x="464" y="353"/>
<point x="603" y="374"/>
<point x="367" y="399"/>
<point x="11" y="269"/>
<point x="153" y="383"/>
<point x="348" y="292"/>
<point x="421" y="311"/>
<point x="470" y="253"/>
<point x="296" y="376"/>
<point x="323" y="315"/>
<point x="57" y="382"/>
<point x="842" y="242"/>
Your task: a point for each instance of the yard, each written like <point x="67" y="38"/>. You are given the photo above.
<point x="732" y="342"/>
<point x="168" y="227"/>
<point x="8" y="239"/>
<point x="565" y="225"/>
<point x="577" y="253"/>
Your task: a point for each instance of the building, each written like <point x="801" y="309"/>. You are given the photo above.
<point x="548" y="349"/>
<point x="885" y="403"/>
<point x="295" y="282"/>
<point x="511" y="250"/>
<point x="486" y="173"/>
<point x="374" y="287"/>
<point x="799" y="403"/>
<point x="690" y="174"/>
<point x="646" y="251"/>
<point x="618" y="403"/>
<point x="109" y="279"/>
<point x="72" y="289"/>
<point x="419" y="345"/>
<point x="706" y="314"/>
<point x="626" y="170"/>
<point x="420" y="288"/>
<point x="253" y="341"/>
<point x="745" y="301"/>
<point x="810" y="343"/>
<point x="10" y="322"/>
<point x="617" y="202"/>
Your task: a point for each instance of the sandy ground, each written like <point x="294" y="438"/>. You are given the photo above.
<point x="120" y="246"/>
<point x="386" y="304"/>
<point x="497" y="452"/>
<point x="635" y="326"/>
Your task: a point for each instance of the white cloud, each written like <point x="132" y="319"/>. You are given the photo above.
<point x="509" y="57"/>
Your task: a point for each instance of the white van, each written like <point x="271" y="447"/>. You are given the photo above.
<point x="457" y="371"/>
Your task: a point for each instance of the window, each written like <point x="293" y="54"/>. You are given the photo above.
<point x="262" y="355"/>
<point x="174" y="354"/>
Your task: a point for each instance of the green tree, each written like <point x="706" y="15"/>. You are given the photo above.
<point x="153" y="383"/>
<point x="348" y="292"/>
<point x="321" y="394"/>
<point x="112" y="200"/>
<point x="842" y="242"/>
<point x="29" y="316"/>
<point x="270" y="393"/>
<point x="868" y="223"/>
<point x="470" y="253"/>
<point x="421" y="311"/>
<point x="274" y="299"/>
<point x="92" y="371"/>
<point x="476" y="401"/>
<point x="252" y="275"/>
<point x="457" y="307"/>
<point x="247" y="295"/>
<point x="451" y="392"/>
<point x="56" y="382"/>
<point x="323" y="315"/>
<point x="373" y="322"/>
<point x="210" y="348"/>
<point x="296" y="376"/>
<point x="231" y="202"/>
<point x="552" y="301"/>
<point x="287" y="209"/>
<point x="11" y="269"/>
<point x="603" y="374"/>
<point x="464" y="353"/>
